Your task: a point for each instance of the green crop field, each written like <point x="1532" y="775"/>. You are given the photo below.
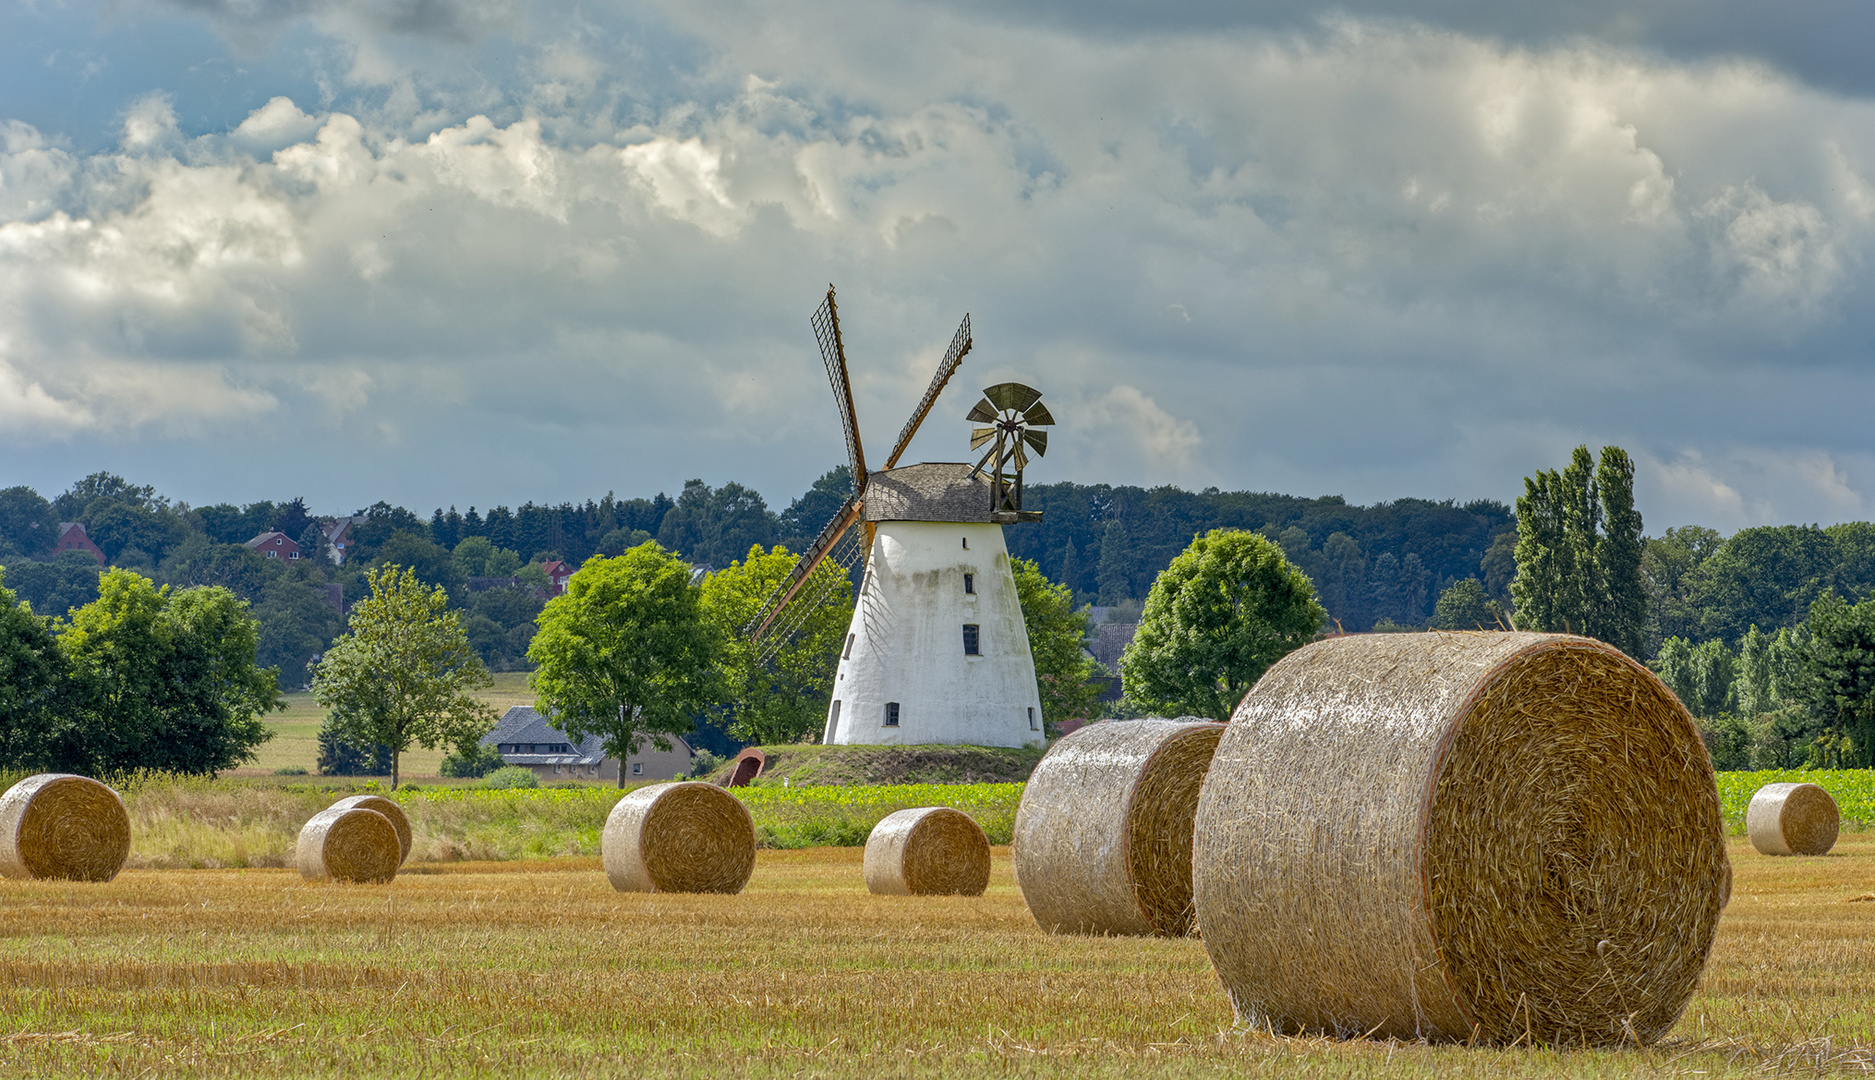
<point x="537" y="968"/>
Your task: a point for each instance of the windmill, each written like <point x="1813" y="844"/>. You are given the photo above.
<point x="936" y="651"/>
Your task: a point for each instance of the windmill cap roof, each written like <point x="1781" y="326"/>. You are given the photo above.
<point x="934" y="491"/>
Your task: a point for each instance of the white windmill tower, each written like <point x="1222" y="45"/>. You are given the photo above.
<point x="936" y="652"/>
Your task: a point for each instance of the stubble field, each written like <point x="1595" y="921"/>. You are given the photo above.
<point x="540" y="969"/>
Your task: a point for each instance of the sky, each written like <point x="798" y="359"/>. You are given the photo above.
<point x="469" y="252"/>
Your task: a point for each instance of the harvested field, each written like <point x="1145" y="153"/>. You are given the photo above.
<point x="540" y="968"/>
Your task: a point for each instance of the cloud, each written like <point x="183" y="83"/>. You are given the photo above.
<point x="1360" y="256"/>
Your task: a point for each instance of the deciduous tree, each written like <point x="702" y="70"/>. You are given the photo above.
<point x="1579" y="552"/>
<point x="1841" y="685"/>
<point x="160" y="680"/>
<point x="785" y="698"/>
<point x="403" y="672"/>
<point x="1056" y="629"/>
<point x="625" y="653"/>
<point x="1226" y="609"/>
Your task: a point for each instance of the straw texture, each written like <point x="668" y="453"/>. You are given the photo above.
<point x="927" y="851"/>
<point x="689" y="837"/>
<point x="390" y="810"/>
<point x="1792" y="819"/>
<point x="1102" y="842"/>
<point x="56" y="825"/>
<point x="350" y="844"/>
<point x="1505" y="836"/>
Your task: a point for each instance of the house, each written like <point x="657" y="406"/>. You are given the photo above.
<point x="72" y="538"/>
<point x="339" y="533"/>
<point x="274" y="545"/>
<point x="524" y="737"/>
<point x="557" y="574"/>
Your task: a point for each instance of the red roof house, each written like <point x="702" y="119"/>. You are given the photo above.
<point x="275" y="545"/>
<point x="557" y="574"/>
<point x="72" y="538"/>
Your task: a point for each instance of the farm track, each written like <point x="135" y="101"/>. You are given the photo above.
<point x="539" y="969"/>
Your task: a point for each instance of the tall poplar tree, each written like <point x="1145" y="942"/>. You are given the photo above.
<point x="1579" y="552"/>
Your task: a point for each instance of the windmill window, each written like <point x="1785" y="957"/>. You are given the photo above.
<point x="970" y="583"/>
<point x="1032" y="726"/>
<point x="833" y="722"/>
<point x="891" y="714"/>
<point x="848" y="654"/>
<point x="971" y="638"/>
<point x="966" y="543"/>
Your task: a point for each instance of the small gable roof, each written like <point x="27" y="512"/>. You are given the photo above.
<point x="522" y="724"/>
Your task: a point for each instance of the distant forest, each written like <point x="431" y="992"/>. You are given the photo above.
<point x="1383" y="565"/>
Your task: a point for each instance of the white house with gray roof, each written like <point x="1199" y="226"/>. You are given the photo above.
<point x="527" y="738"/>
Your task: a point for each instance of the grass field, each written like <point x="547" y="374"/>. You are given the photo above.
<point x="540" y="969"/>
<point x="295" y="742"/>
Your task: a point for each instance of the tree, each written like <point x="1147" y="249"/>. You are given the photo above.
<point x="625" y="652"/>
<point x="27" y="522"/>
<point x="31" y="672"/>
<point x="802" y="521"/>
<point x="1215" y="620"/>
<point x="403" y="671"/>
<point x="1056" y="629"/>
<point x="1669" y="567"/>
<point x="1466" y="606"/>
<point x="1579" y="552"/>
<point x="1841" y="684"/>
<point x="160" y="680"/>
<point x="55" y="587"/>
<point x="1770" y="576"/>
<point x="784" y="699"/>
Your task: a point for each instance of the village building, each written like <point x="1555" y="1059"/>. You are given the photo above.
<point x="526" y="738"/>
<point x="339" y="534"/>
<point x="558" y="573"/>
<point x="72" y="538"/>
<point x="274" y="545"/>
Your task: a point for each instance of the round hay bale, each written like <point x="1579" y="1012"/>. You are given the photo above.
<point x="390" y="810"/>
<point x="60" y="826"/>
<point x="350" y="844"/>
<point x="927" y="851"/>
<point x="1498" y="836"/>
<point x="691" y="837"/>
<point x="1792" y="819"/>
<point x="1102" y="842"/>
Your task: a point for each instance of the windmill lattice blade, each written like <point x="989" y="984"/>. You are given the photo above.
<point x="960" y="346"/>
<point x="979" y="436"/>
<point x="777" y="602"/>
<point x="1021" y="457"/>
<point x="1012" y="395"/>
<point x="1038" y="440"/>
<point x="1038" y="416"/>
<point x="846" y="552"/>
<point x="826" y="323"/>
<point x="983" y="412"/>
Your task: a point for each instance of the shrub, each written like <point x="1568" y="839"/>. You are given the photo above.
<point x="511" y="776"/>
<point x="340" y="758"/>
<point x="705" y="763"/>
<point x="290" y="770"/>
<point x="469" y="762"/>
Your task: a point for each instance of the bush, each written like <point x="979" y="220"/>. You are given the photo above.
<point x="471" y="762"/>
<point x="705" y="763"/>
<point x="511" y="776"/>
<point x="340" y="758"/>
<point x="290" y="770"/>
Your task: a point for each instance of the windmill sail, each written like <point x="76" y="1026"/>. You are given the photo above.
<point x="826" y="323"/>
<point x="780" y="615"/>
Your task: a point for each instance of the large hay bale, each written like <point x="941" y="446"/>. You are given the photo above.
<point x="1102" y="841"/>
<point x="1499" y="836"/>
<point x="56" y="825"/>
<point x="390" y="810"/>
<point x="688" y="837"/>
<point x="927" y="851"/>
<point x="348" y="844"/>
<point x="1792" y="819"/>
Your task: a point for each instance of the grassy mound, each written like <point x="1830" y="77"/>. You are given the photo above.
<point x="803" y="764"/>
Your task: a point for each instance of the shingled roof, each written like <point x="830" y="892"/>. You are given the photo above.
<point x="526" y="727"/>
<point x="935" y="491"/>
